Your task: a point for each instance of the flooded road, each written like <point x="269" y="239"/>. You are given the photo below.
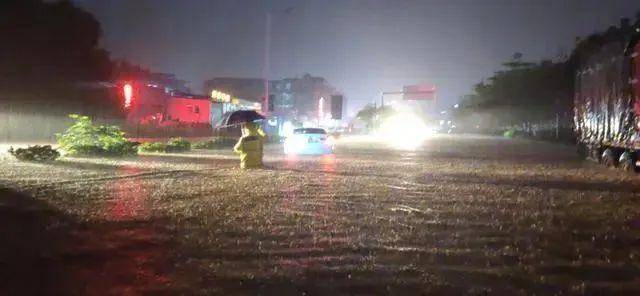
<point x="462" y="214"/>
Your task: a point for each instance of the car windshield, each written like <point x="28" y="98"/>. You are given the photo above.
<point x="301" y="131"/>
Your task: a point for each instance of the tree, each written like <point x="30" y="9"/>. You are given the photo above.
<point x="516" y="62"/>
<point x="47" y="43"/>
<point x="124" y="70"/>
<point x="373" y="115"/>
<point x="522" y="93"/>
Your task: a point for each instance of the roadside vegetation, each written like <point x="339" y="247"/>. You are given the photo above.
<point x="215" y="143"/>
<point x="172" y="145"/>
<point x="35" y="153"/>
<point x="533" y="98"/>
<point x="88" y="139"/>
<point x="373" y="115"/>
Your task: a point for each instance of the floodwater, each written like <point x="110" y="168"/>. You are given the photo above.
<point x="462" y="214"/>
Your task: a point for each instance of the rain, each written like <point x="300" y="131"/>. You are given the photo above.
<point x="319" y="147"/>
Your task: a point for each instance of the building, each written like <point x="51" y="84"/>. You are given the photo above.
<point x="304" y="100"/>
<point x="153" y="110"/>
<point x="229" y="94"/>
<point x="169" y="81"/>
<point x="246" y="89"/>
<point x="188" y="108"/>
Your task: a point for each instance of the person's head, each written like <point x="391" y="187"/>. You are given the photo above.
<point x="248" y="128"/>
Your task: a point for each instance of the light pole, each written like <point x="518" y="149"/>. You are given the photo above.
<point x="266" y="66"/>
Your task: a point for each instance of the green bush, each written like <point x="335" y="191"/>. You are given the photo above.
<point x="215" y="143"/>
<point x="509" y="133"/>
<point x="86" y="138"/>
<point x="178" y="145"/>
<point x="152" y="147"/>
<point x="35" y="153"/>
<point x="173" y="145"/>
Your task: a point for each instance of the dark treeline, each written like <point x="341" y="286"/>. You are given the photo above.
<point x="53" y="45"/>
<point x="535" y="98"/>
<point x="51" y="65"/>
<point x="49" y="43"/>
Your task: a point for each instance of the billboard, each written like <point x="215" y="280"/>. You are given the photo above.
<point x="419" y="92"/>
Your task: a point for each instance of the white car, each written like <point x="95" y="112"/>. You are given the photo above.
<point x="309" y="141"/>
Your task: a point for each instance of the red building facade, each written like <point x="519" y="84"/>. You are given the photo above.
<point x="152" y="109"/>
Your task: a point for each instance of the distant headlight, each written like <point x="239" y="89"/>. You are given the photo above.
<point x="405" y="131"/>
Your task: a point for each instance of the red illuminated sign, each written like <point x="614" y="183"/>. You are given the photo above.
<point x="419" y="92"/>
<point x="128" y="95"/>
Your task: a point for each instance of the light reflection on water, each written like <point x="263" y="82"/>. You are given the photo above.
<point x="129" y="199"/>
<point x="127" y="253"/>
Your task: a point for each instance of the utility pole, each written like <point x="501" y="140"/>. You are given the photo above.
<point x="265" y="70"/>
<point x="557" y="126"/>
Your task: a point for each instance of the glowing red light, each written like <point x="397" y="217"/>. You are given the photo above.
<point x="128" y="95"/>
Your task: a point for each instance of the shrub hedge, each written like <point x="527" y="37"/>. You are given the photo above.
<point x="35" y="153"/>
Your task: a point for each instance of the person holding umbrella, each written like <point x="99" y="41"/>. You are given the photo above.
<point x="250" y="145"/>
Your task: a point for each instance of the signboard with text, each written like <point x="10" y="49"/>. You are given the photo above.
<point x="419" y="92"/>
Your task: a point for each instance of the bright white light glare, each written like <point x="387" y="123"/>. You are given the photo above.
<point x="287" y="129"/>
<point x="294" y="145"/>
<point x="404" y="131"/>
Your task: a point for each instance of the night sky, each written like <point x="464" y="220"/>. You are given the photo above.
<point x="362" y="47"/>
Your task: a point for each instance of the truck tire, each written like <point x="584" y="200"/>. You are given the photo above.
<point x="582" y="150"/>
<point x="608" y="158"/>
<point x="593" y="153"/>
<point x="628" y="162"/>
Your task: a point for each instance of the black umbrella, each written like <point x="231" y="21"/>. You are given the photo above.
<point x="242" y="116"/>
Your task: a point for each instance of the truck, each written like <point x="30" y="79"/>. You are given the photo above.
<point x="607" y="98"/>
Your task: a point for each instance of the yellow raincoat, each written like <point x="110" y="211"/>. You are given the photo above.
<point x="250" y="146"/>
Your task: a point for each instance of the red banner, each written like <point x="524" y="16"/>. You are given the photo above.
<point x="419" y="92"/>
